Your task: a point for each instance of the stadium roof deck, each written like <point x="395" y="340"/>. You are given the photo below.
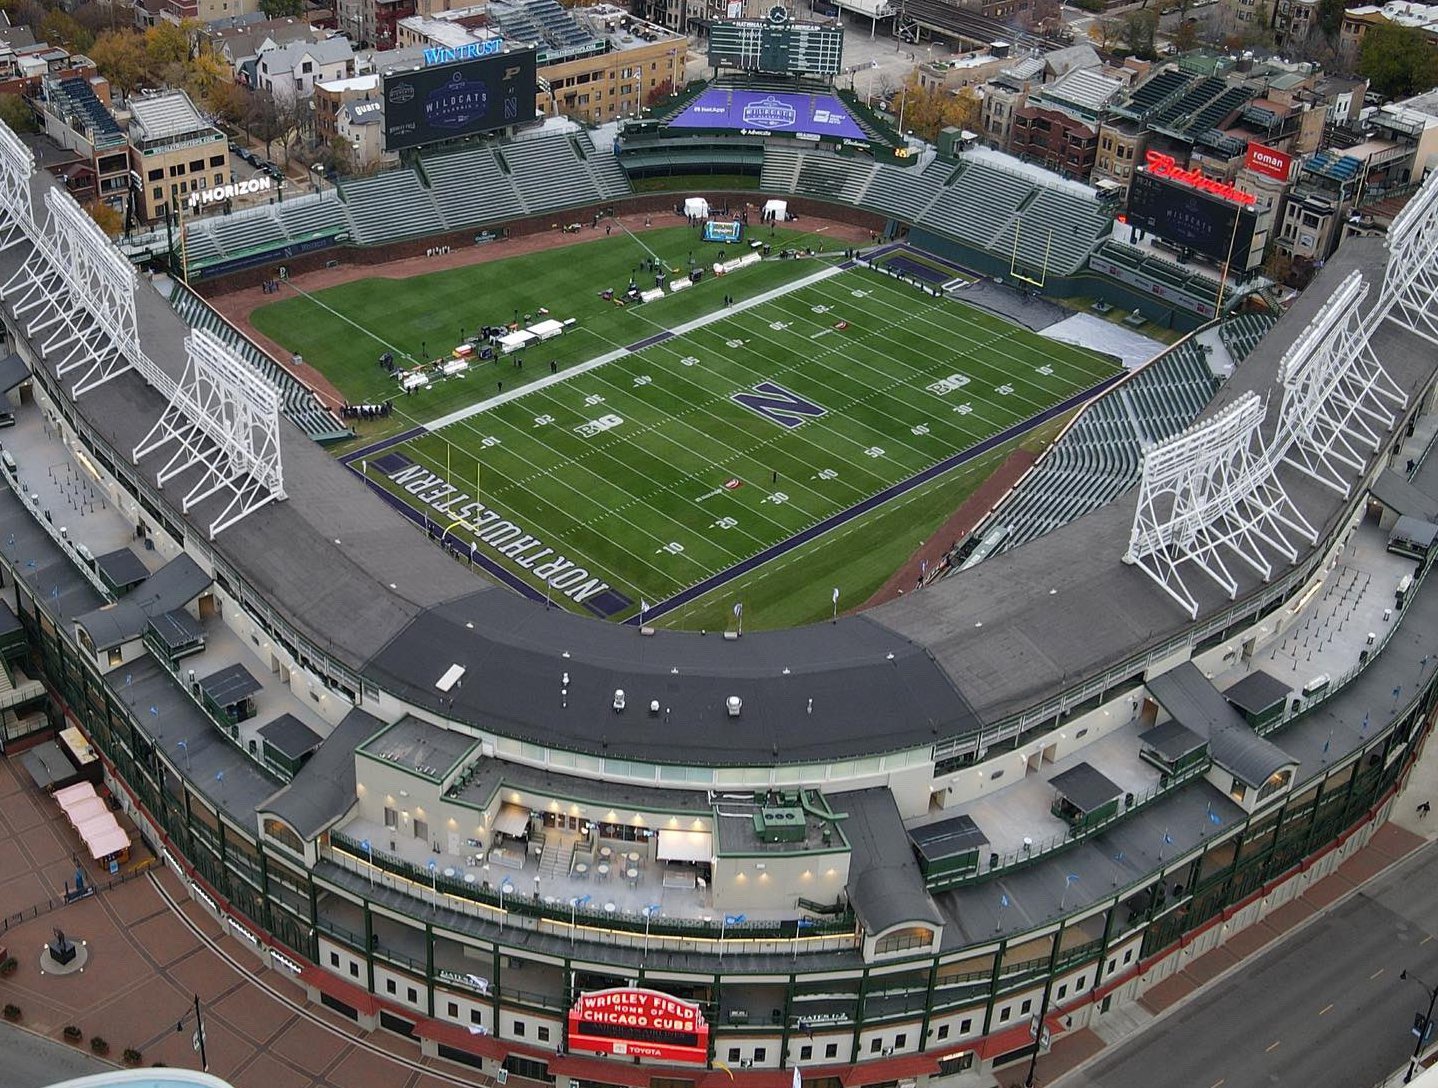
<point x="167" y="116"/>
<point x="420" y="747"/>
<point x="996" y="639"/>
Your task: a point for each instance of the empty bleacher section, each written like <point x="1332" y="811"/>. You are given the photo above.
<point x="978" y="203"/>
<point x="781" y="169"/>
<point x="1056" y="231"/>
<point x="548" y="173"/>
<point x="830" y="177"/>
<point x="904" y="193"/>
<point x="217" y="238"/>
<point x="1242" y="332"/>
<point x="297" y="401"/>
<point x="1158" y="276"/>
<point x="470" y="188"/>
<point x="609" y="177"/>
<point x="1100" y="456"/>
<point x="389" y="206"/>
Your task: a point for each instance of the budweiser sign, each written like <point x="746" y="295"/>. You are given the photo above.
<point x="635" y="1023"/>
<point x="1164" y="166"/>
<point x="1268" y="162"/>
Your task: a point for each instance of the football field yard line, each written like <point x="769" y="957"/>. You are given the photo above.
<point x="1003" y="337"/>
<point x="590" y="364"/>
<point x="662" y="487"/>
<point x="896" y="491"/>
<point x="589" y="501"/>
<point x="876" y="377"/>
<point x="422" y="458"/>
<point x="741" y="453"/>
<point x="532" y="437"/>
<point x="890" y="383"/>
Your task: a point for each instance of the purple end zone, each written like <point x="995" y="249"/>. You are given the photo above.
<point x="769" y="111"/>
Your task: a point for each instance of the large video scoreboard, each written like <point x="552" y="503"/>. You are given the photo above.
<point x="777" y="46"/>
<point x="1185" y="209"/>
<point x="492" y="87"/>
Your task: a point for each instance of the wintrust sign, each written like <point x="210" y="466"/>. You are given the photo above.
<point x="229" y="192"/>
<point x="1268" y="162"/>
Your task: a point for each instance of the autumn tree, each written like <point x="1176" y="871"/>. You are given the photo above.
<point x="16" y="113"/>
<point x="1185" y="36"/>
<point x="120" y="57"/>
<point x="1139" y="30"/>
<point x="61" y="28"/>
<point x="106" y="217"/>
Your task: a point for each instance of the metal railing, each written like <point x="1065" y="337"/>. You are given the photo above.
<point x="521" y="909"/>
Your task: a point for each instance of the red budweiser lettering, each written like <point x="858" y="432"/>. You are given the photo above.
<point x="1164" y="166"/>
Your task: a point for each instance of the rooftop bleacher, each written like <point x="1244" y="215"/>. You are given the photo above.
<point x="1100" y="456"/>
<point x="297" y="401"/>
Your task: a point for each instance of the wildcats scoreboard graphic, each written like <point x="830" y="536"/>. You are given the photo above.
<point x="777" y="46"/>
<point x="446" y="99"/>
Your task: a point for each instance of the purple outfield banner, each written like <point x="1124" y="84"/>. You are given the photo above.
<point x="760" y="112"/>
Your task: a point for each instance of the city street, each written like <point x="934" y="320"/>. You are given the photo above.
<point x="1324" y="1007"/>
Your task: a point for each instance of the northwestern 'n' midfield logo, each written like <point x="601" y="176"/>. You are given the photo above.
<point x="778" y="405"/>
<point x="770" y="112"/>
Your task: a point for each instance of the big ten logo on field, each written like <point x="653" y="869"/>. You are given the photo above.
<point x="778" y="405"/>
<point x="952" y="383"/>
<point x="598" y="426"/>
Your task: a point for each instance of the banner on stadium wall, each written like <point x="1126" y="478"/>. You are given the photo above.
<point x="1269" y="162"/>
<point x="633" y="1023"/>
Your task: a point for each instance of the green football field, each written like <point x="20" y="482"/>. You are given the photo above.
<point x="344" y="330"/>
<point x="630" y="481"/>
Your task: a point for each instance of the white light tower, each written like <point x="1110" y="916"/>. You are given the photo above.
<point x="1410" y="287"/>
<point x="1338" y="401"/>
<point x="224" y="421"/>
<point x="1209" y="495"/>
<point x="17" y="216"/>
<point x="75" y="293"/>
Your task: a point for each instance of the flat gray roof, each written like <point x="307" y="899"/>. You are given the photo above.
<point x="1257" y="692"/>
<point x="417" y="745"/>
<point x="1172" y="740"/>
<point x="121" y="567"/>
<point x="1193" y="700"/>
<point x="323" y="790"/>
<point x="13" y="371"/>
<point x="229" y="685"/>
<point x="173" y="586"/>
<point x="1086" y="787"/>
<point x="290" y="737"/>
<point x="948" y="838"/>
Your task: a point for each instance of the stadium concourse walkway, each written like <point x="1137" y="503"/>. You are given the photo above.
<point x="150" y="950"/>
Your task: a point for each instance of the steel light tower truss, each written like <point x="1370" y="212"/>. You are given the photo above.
<point x="17" y="217"/>
<point x="75" y="292"/>
<point x="1209" y="496"/>
<point x="224" y="419"/>
<point x="1410" y="288"/>
<point x="1339" y="404"/>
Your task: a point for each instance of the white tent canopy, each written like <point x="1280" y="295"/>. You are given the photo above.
<point x="512" y="342"/>
<point x="776" y="209"/>
<point x="696" y="207"/>
<point x="546" y="330"/>
<point x="693" y="846"/>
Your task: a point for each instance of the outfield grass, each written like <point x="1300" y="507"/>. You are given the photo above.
<point x="646" y="472"/>
<point x="343" y="330"/>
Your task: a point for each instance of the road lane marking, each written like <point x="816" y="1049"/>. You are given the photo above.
<point x="1376" y="974"/>
<point x="1425" y="940"/>
<point x="1219" y="1083"/>
<point x="1324" y="1011"/>
<point x="1274" y="1047"/>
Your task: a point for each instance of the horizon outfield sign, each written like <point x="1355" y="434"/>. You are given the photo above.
<point x="259" y="184"/>
<point x="759" y="113"/>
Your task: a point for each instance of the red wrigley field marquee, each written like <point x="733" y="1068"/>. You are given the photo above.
<point x="638" y="1023"/>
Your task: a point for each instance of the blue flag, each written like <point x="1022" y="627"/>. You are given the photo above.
<point x="1003" y="900"/>
<point x="735" y="919"/>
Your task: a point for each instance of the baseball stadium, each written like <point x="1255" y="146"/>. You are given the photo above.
<point x="857" y="623"/>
